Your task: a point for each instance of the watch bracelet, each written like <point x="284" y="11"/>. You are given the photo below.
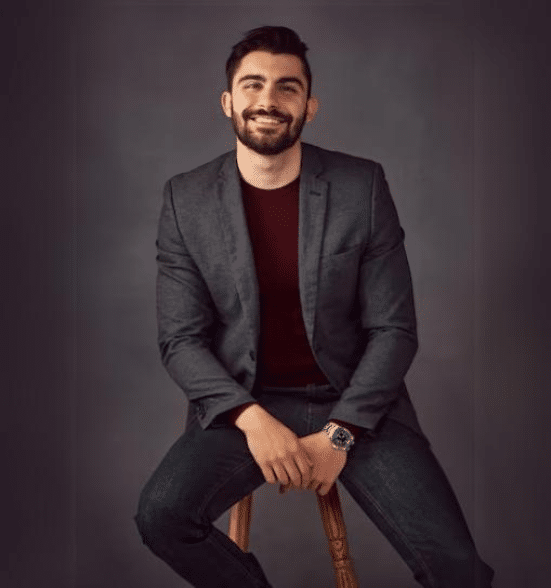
<point x="326" y="429"/>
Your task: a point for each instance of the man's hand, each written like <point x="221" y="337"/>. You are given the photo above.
<point x="275" y="448"/>
<point x="328" y="463"/>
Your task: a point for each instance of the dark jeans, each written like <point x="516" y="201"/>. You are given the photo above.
<point x="395" y="478"/>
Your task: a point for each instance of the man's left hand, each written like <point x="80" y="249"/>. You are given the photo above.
<point x="328" y="463"/>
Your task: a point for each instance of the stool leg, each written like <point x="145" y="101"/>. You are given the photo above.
<point x="240" y="522"/>
<point x="333" y="523"/>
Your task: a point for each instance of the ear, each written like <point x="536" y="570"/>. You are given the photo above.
<point x="311" y="108"/>
<point x="226" y="102"/>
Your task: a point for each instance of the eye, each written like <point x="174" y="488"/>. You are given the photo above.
<point x="253" y="86"/>
<point x="290" y="89"/>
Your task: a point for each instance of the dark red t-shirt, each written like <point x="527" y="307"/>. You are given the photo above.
<point x="285" y="357"/>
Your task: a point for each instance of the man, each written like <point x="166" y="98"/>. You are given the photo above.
<point x="286" y="315"/>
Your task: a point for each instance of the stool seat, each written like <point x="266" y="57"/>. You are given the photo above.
<point x="333" y="524"/>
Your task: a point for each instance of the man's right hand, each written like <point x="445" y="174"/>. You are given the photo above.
<point x="275" y="448"/>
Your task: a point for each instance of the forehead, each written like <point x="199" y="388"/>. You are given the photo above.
<point x="270" y="66"/>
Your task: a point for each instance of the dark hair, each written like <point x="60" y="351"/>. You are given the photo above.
<point x="275" y="40"/>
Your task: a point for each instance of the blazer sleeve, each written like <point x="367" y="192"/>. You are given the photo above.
<point x="185" y="318"/>
<point x="387" y="313"/>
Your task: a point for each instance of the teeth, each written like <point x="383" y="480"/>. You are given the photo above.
<point x="267" y="119"/>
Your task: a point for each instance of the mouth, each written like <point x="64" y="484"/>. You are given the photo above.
<point x="267" y="120"/>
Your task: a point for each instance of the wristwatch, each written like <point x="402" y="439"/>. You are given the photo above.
<point x="340" y="437"/>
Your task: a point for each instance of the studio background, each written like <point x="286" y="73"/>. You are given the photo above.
<point x="106" y="103"/>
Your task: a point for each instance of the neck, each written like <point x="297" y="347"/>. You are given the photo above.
<point x="269" y="171"/>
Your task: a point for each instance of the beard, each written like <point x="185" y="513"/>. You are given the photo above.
<point x="268" y="141"/>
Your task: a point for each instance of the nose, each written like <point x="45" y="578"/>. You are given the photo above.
<point x="267" y="99"/>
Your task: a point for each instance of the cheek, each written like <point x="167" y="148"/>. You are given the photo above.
<point x="240" y="105"/>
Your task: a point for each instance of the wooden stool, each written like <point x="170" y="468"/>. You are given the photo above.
<point x="333" y="523"/>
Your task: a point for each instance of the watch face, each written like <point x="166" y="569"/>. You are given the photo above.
<point x="341" y="437"/>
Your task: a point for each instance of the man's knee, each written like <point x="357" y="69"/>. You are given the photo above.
<point x="159" y="521"/>
<point x="151" y="519"/>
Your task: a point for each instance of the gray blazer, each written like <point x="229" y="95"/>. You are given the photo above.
<point x="355" y="288"/>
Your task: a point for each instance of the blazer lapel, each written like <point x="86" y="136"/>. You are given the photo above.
<point x="311" y="221"/>
<point x="237" y="241"/>
<point x="312" y="210"/>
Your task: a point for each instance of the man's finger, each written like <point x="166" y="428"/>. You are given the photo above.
<point x="294" y="474"/>
<point x="269" y="475"/>
<point x="323" y="490"/>
<point x="305" y="471"/>
<point x="281" y="474"/>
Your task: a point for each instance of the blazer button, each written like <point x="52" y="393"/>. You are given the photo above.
<point x="252" y="355"/>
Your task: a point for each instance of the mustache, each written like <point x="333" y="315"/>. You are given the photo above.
<point x="248" y="113"/>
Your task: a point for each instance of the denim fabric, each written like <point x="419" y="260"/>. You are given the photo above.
<point x="394" y="477"/>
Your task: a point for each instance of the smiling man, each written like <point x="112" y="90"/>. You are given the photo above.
<point x="269" y="103"/>
<point x="286" y="315"/>
<point x="269" y="132"/>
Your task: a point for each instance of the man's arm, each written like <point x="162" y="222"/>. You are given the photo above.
<point x="235" y="413"/>
<point x="387" y="313"/>
<point x="185" y="318"/>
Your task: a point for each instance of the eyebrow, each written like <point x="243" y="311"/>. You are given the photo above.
<point x="260" y="78"/>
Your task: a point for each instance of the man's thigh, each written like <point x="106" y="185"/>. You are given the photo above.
<point x="203" y="474"/>
<point x="397" y="481"/>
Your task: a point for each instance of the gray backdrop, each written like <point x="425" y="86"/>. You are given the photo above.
<point x="108" y="102"/>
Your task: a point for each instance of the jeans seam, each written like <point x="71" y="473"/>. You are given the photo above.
<point x="209" y="496"/>
<point x="416" y="554"/>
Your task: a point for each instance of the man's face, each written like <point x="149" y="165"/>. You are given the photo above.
<point x="268" y="104"/>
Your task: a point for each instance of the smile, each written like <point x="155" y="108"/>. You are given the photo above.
<point x="267" y="120"/>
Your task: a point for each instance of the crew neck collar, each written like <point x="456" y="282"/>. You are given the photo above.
<point x="250" y="186"/>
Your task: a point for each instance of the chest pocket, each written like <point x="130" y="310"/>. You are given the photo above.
<point x="339" y="274"/>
